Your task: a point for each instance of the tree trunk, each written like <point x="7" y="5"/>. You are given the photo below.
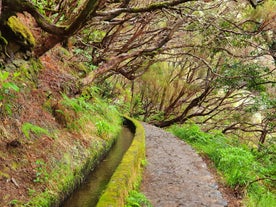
<point x="262" y="137"/>
<point x="0" y="8"/>
<point x="57" y="33"/>
<point x="132" y="98"/>
<point x="47" y="44"/>
<point x="183" y="117"/>
<point x="88" y="10"/>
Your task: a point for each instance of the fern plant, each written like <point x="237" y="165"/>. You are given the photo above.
<point x="6" y="88"/>
<point x="237" y="164"/>
<point x="137" y="199"/>
<point x="105" y="117"/>
<point x="27" y="128"/>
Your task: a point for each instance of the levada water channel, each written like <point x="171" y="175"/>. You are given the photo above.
<point x="87" y="195"/>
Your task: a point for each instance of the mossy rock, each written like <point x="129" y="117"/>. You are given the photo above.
<point x="4" y="175"/>
<point x="26" y="38"/>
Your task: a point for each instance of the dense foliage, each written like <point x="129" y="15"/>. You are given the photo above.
<point x="163" y="62"/>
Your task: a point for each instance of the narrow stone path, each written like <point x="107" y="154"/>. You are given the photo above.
<point x="176" y="176"/>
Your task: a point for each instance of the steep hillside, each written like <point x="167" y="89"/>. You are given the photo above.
<point x="49" y="140"/>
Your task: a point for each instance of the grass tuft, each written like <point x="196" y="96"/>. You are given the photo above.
<point x="137" y="199"/>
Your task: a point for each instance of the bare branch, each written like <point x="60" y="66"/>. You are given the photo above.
<point x="150" y="8"/>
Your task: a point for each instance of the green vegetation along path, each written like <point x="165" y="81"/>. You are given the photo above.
<point x="176" y="176"/>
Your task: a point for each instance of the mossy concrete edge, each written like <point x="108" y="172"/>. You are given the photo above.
<point x="128" y="172"/>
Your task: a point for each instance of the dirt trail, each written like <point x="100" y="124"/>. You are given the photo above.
<point x="175" y="175"/>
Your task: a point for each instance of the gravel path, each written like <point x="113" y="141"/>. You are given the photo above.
<point x="175" y="175"/>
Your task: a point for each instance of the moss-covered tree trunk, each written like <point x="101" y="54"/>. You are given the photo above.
<point x="56" y="33"/>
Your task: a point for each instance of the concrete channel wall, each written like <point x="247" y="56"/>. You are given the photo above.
<point x="129" y="170"/>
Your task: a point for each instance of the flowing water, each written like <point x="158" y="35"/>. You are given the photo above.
<point x="87" y="195"/>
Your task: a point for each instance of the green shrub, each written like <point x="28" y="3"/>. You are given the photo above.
<point x="237" y="165"/>
<point x="191" y="134"/>
<point x="105" y="117"/>
<point x="27" y="128"/>
<point x="102" y="128"/>
<point x="137" y="199"/>
<point x="6" y="88"/>
<point x="258" y="195"/>
<point x="41" y="172"/>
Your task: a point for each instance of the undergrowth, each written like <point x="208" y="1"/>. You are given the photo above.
<point x="104" y="116"/>
<point x="244" y="168"/>
<point x="27" y="128"/>
<point x="137" y="199"/>
<point x="79" y="112"/>
<point x="7" y="87"/>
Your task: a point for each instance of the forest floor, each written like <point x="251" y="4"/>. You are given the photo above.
<point x="177" y="176"/>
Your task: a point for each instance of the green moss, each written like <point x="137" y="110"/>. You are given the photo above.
<point x="29" y="71"/>
<point x="63" y="52"/>
<point x="20" y="30"/>
<point x="127" y="173"/>
<point x="14" y="165"/>
<point x="4" y="175"/>
<point x="80" y="69"/>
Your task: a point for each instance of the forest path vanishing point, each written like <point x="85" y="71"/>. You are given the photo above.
<point x="176" y="176"/>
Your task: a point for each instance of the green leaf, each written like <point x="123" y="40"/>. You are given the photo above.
<point x="4" y="76"/>
<point x="16" y="74"/>
<point x="9" y="85"/>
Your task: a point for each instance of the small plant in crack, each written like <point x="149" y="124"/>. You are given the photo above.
<point x="41" y="172"/>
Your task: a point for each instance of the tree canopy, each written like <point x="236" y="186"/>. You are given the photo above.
<point x="211" y="58"/>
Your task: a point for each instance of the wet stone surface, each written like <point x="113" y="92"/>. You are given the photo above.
<point x="176" y="176"/>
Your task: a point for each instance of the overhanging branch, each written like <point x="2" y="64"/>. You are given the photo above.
<point x="150" y="8"/>
<point x="11" y="7"/>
